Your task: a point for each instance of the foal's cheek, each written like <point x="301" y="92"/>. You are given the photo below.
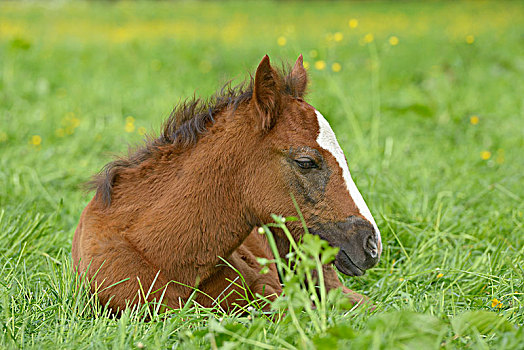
<point x="314" y="190"/>
<point x="308" y="186"/>
<point x="305" y="192"/>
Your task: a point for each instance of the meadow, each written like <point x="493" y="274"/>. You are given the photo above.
<point x="427" y="100"/>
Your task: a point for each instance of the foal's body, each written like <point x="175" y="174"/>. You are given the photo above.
<point x="141" y="237"/>
<point x="162" y="221"/>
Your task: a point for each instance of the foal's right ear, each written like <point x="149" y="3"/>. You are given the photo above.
<point x="266" y="93"/>
<point x="298" y="78"/>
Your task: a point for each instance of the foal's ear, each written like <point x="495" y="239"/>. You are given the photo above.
<point x="266" y="93"/>
<point x="297" y="79"/>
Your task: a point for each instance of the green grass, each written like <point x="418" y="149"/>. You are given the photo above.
<point x="447" y="194"/>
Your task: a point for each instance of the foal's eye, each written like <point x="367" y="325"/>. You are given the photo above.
<point x="306" y="163"/>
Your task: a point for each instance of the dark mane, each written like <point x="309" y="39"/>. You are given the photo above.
<point x="186" y="123"/>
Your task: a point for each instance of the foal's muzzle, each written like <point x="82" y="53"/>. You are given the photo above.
<point x="358" y="242"/>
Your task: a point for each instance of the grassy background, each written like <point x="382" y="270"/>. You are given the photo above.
<point x="427" y="101"/>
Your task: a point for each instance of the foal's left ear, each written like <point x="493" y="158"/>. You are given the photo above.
<point x="297" y="78"/>
<point x="266" y="93"/>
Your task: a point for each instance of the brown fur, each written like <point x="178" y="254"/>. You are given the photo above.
<point x="185" y="125"/>
<point x="163" y="216"/>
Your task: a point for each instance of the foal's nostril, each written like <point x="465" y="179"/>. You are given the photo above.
<point x="370" y="246"/>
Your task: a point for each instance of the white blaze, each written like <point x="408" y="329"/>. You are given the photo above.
<point x="328" y="141"/>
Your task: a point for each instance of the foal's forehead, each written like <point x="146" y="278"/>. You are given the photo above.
<point x="303" y="122"/>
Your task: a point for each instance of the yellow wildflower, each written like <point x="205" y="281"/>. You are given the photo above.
<point x="401" y="279"/>
<point x="470" y="39"/>
<point x="336" y="67"/>
<point x="338" y="36"/>
<point x="36" y="140"/>
<point x="130" y="124"/>
<point x="141" y="130"/>
<point x="368" y="38"/>
<point x="485" y="155"/>
<point x="306" y="65"/>
<point x="353" y="23"/>
<point x="130" y="127"/>
<point x="474" y="120"/>
<point x="320" y="65"/>
<point x="496" y="303"/>
<point x="69" y="123"/>
<point x="281" y="41"/>
<point x="440" y="275"/>
<point x="393" y="40"/>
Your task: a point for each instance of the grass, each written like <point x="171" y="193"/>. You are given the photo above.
<point x="427" y="104"/>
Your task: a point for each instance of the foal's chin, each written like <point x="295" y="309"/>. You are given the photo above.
<point x="344" y="264"/>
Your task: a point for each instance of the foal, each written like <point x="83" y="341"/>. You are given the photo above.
<point x="163" y="217"/>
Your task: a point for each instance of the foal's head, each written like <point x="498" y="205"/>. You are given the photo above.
<point x="300" y="155"/>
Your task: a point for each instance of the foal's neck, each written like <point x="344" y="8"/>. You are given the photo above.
<point x="184" y="208"/>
